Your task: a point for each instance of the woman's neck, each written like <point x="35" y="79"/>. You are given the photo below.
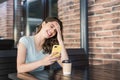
<point x="39" y="39"/>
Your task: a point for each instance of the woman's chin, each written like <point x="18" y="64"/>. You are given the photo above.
<point x="47" y="37"/>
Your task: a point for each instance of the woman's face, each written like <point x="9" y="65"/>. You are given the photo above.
<point x="49" y="29"/>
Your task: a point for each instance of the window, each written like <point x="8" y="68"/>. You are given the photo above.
<point x="28" y="14"/>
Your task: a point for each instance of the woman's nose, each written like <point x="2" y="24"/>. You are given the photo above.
<point x="52" y="30"/>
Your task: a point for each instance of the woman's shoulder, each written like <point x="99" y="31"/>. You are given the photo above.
<point x="25" y="38"/>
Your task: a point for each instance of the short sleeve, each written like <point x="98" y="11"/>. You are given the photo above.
<point x="24" y="41"/>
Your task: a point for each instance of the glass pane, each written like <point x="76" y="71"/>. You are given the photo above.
<point x="35" y="14"/>
<point x="53" y="9"/>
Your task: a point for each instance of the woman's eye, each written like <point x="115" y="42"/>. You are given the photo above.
<point x="51" y="26"/>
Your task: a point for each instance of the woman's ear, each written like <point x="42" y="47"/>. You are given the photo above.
<point x="43" y="23"/>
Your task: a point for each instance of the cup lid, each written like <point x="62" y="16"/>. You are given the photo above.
<point x="66" y="61"/>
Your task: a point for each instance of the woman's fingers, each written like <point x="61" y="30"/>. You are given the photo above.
<point x="54" y="59"/>
<point x="48" y="60"/>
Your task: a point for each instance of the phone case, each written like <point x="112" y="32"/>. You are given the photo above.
<point x="56" y="50"/>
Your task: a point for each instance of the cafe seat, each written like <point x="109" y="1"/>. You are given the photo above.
<point x="78" y="57"/>
<point x="6" y="44"/>
<point x="7" y="58"/>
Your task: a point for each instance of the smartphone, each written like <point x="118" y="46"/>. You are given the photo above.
<point x="56" y="51"/>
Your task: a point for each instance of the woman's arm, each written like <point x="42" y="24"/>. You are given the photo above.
<point x="64" y="55"/>
<point x="21" y="56"/>
<point x="27" y="67"/>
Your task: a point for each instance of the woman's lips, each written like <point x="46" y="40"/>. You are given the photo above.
<point x="48" y="33"/>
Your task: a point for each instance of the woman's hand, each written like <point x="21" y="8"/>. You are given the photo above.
<point x="59" y="36"/>
<point x="48" y="60"/>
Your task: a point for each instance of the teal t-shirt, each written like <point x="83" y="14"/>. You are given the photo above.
<point x="32" y="53"/>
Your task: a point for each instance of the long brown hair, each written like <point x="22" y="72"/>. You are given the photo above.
<point x="47" y="46"/>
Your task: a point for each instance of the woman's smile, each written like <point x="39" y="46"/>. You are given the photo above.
<point x="49" y="33"/>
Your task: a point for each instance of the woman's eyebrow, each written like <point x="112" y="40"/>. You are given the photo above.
<point x="53" y="25"/>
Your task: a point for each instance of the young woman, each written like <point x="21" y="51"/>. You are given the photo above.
<point x="34" y="52"/>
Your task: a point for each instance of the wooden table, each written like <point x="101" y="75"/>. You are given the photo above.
<point x="85" y="73"/>
<point x="77" y="74"/>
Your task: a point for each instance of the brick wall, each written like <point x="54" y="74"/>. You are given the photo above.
<point x="6" y="19"/>
<point x="69" y="13"/>
<point x="104" y="32"/>
<point x="10" y="19"/>
<point x="104" y="29"/>
<point x="3" y="16"/>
